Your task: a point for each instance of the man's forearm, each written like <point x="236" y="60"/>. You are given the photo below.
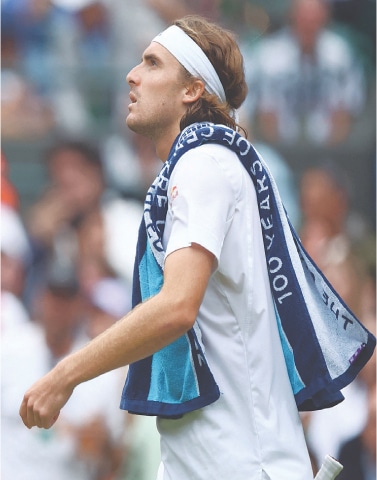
<point x="146" y="329"/>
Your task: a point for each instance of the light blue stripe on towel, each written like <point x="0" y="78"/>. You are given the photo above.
<point x="150" y="275"/>
<point x="169" y="366"/>
<point x="294" y="377"/>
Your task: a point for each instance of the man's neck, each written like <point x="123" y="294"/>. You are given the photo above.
<point x="164" y="144"/>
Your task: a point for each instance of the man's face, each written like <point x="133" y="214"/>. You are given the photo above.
<point x="79" y="183"/>
<point x="309" y="18"/>
<point x="157" y="91"/>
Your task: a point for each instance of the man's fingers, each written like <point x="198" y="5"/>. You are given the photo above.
<point x="28" y="415"/>
<point x="23" y="413"/>
<point x="32" y="417"/>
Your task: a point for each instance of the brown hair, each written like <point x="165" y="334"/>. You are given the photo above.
<point x="222" y="50"/>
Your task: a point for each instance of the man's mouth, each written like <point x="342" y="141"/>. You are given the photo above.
<point x="133" y="97"/>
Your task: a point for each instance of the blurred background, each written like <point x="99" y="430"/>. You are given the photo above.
<point x="73" y="180"/>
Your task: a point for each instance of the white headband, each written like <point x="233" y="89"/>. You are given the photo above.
<point x="191" y="56"/>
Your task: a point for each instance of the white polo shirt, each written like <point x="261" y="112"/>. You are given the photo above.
<point x="253" y="431"/>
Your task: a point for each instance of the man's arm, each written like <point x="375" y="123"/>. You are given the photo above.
<point x="146" y="329"/>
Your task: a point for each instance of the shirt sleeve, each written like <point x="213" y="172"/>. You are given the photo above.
<point x="202" y="201"/>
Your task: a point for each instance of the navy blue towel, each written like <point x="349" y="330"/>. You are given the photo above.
<point x="324" y="344"/>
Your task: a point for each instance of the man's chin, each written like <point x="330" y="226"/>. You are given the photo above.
<point x="130" y="123"/>
<point x="137" y="127"/>
<point x="133" y="125"/>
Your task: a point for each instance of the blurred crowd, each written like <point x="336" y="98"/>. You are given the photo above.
<point x="67" y="251"/>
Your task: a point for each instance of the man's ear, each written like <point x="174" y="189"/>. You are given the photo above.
<point x="194" y="91"/>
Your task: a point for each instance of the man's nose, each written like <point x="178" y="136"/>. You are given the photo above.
<point x="132" y="76"/>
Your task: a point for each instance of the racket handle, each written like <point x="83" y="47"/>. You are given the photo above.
<point x="329" y="470"/>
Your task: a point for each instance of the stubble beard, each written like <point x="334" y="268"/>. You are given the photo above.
<point x="148" y="128"/>
<point x="137" y="124"/>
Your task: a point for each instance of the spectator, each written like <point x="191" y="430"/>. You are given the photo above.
<point x="84" y="444"/>
<point x="76" y="201"/>
<point x="75" y="188"/>
<point x="307" y="85"/>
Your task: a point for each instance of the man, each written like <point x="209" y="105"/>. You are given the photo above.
<point x="204" y="345"/>
<point x="309" y="85"/>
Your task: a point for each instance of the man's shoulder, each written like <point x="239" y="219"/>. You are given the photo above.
<point x="211" y="155"/>
<point x="334" y="49"/>
<point x="212" y="164"/>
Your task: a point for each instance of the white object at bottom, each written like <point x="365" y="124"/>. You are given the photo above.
<point x="330" y="469"/>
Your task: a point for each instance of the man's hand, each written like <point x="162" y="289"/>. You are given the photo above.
<point x="43" y="401"/>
